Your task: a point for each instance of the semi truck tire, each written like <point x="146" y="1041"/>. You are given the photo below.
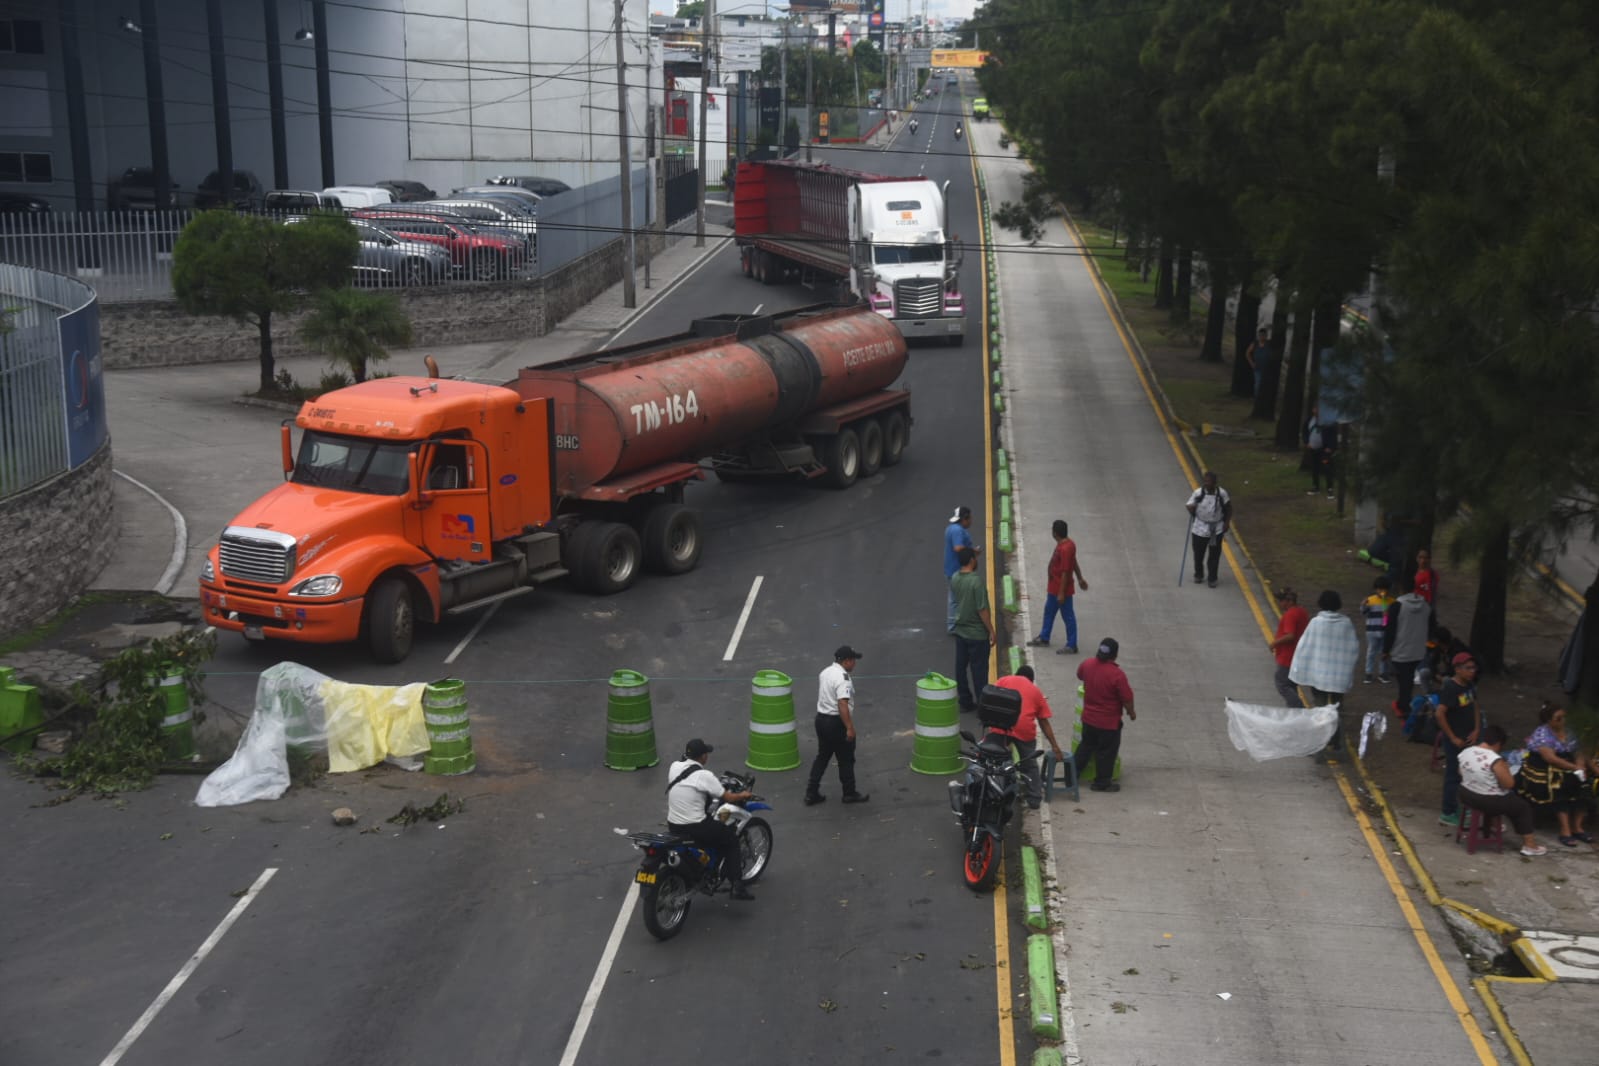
<point x="841" y="454"/>
<point x="608" y="556"/>
<point x="671" y="536"/>
<point x="871" y="435"/>
<point x="390" y="620"/>
<point x="896" y="435"/>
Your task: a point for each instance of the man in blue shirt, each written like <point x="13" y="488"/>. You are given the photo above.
<point x="956" y="535"/>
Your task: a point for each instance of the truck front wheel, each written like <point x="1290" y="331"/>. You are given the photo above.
<point x="390" y="621"/>
<point x="671" y="536"/>
<point x="842" y="457"/>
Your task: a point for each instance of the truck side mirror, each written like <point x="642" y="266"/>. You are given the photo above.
<point x="288" y="449"/>
<point x="413" y="478"/>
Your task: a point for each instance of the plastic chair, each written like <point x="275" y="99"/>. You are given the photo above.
<point x="1480" y="829"/>
<point x="1068" y="776"/>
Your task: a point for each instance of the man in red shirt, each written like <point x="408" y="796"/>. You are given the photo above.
<point x="1062" y="569"/>
<point x="1426" y="578"/>
<point x="1106" y="694"/>
<point x="1290" y="627"/>
<point x="1024" y="734"/>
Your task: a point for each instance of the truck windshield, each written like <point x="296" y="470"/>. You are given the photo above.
<point x="353" y="464"/>
<point x="908" y="253"/>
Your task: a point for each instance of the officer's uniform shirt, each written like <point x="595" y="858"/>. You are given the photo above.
<point x="686" y="802"/>
<point x="834" y="685"/>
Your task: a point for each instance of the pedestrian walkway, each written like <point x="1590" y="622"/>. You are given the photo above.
<point x="1215" y="909"/>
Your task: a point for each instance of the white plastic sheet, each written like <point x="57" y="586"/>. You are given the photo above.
<point x="1277" y="732"/>
<point x="356" y="725"/>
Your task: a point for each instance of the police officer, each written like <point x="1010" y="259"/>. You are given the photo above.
<point x="835" y="728"/>
<point x="688" y="800"/>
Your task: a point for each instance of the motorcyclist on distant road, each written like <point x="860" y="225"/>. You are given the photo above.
<point x="913" y="126"/>
<point x="689" y="800"/>
<point x="958" y="131"/>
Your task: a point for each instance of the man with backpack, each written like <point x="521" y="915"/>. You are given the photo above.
<point x="1212" y="511"/>
<point x="688" y="803"/>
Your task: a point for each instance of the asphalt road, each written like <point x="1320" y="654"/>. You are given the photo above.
<point x="478" y="940"/>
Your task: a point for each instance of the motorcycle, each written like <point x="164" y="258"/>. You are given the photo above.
<point x="674" y="867"/>
<point x="985" y="797"/>
<point x="957" y="131"/>
<point x="913" y="127"/>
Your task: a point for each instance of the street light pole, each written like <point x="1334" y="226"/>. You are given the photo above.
<point x="810" y="102"/>
<point x="705" y="92"/>
<point x="629" y="292"/>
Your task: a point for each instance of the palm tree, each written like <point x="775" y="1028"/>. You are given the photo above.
<point x="353" y="327"/>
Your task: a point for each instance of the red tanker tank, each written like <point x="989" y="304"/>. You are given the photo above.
<point x="679" y="400"/>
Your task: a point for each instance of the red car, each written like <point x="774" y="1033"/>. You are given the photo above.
<point x="481" y="256"/>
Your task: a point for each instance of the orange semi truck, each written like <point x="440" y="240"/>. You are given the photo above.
<point x="417" y="498"/>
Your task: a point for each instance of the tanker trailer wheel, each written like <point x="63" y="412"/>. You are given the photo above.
<point x="671" y="536"/>
<point x="871" y="435"/>
<point x="896" y="435"/>
<point x="390" y="621"/>
<point x="609" y="559"/>
<point x="842" y="457"/>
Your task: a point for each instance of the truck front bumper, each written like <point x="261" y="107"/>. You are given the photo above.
<point x="951" y="326"/>
<point x="259" y="617"/>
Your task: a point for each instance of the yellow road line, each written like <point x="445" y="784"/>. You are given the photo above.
<point x="1457" y="1002"/>
<point x="1002" y="989"/>
<point x="1497" y="1013"/>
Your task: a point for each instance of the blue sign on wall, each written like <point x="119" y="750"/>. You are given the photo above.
<point x="84" y="387"/>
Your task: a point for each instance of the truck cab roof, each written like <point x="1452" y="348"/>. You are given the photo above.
<point x="403" y="408"/>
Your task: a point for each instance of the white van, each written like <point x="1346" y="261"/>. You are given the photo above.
<point x="359" y="195"/>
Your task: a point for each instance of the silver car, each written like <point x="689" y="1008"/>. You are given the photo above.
<point x="384" y="259"/>
<point x="506" y="214"/>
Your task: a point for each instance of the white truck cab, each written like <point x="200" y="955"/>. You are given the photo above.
<point x="903" y="263"/>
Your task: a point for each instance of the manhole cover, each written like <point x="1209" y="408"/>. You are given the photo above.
<point x="1571" y="956"/>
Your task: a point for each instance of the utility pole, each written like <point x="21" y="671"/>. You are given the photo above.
<point x="629" y="292"/>
<point x="708" y="21"/>
<point x="782" y="100"/>
<point x="809" y="102"/>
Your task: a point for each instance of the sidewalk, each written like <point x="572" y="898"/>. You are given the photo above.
<point x="1271" y="881"/>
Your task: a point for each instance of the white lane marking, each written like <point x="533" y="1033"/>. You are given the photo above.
<point x="757" y="309"/>
<point x="591" y="998"/>
<point x="632" y="320"/>
<point x="180" y="535"/>
<point x="188" y="969"/>
<point x="459" y="648"/>
<point x="743" y="618"/>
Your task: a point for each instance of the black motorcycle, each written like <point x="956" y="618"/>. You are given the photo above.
<point x="675" y="867"/>
<point x="985" y="797"/>
<point x="958" y="131"/>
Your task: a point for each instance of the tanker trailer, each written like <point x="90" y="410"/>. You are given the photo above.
<point x="419" y="498"/>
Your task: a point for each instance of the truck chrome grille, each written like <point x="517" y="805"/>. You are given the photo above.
<point x="256" y="555"/>
<point x="918" y="297"/>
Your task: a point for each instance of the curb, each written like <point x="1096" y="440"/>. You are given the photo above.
<point x="1041" y="983"/>
<point x="1033" y="888"/>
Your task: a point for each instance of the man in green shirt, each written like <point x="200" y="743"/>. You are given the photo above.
<point x="974" y="629"/>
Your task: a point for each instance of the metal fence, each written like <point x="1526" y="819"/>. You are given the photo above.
<point x="44" y="417"/>
<point x="127" y="255"/>
<point x="682" y="187"/>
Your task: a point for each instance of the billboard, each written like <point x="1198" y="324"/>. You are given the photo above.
<point x="959" y="57"/>
<point x="84" y="389"/>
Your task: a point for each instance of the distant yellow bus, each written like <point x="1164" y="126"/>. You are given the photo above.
<point x="980" y="107"/>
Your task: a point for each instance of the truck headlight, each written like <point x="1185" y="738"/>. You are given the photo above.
<point x="320" y="585"/>
<point x="208" y="572"/>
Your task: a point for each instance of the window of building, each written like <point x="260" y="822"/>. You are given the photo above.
<point x="35" y="167"/>
<point x="22" y="36"/>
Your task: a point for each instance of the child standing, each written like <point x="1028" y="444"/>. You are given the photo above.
<point x="1374" y="609"/>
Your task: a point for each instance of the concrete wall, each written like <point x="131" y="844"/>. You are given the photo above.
<point x="58" y="536"/>
<point x="159" y="333"/>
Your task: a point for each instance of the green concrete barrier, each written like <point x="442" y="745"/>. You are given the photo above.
<point x="1007" y="541"/>
<point x="1015" y="657"/>
<point x="998" y="380"/>
<point x="1001" y="458"/>
<point x="1002" y="479"/>
<point x="999" y="403"/>
<point x="1032" y="882"/>
<point x="993" y="355"/>
<point x="1009" y="587"/>
<point x="1041" y="984"/>
<point x="1047" y="1056"/>
<point x="1004" y="509"/>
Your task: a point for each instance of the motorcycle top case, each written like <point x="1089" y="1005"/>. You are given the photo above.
<point x="999" y="708"/>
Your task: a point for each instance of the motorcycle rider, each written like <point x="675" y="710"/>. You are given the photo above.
<point x="688" y="802"/>
<point x="913" y="126"/>
<point x="958" y="131"/>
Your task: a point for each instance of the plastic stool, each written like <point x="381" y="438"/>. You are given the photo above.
<point x="1068" y="776"/>
<point x="1480" y="829"/>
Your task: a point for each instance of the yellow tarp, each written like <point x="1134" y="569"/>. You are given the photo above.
<point x="368" y="723"/>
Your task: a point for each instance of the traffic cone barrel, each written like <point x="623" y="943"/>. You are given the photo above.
<point x="177" y="720"/>
<point x="1077" y="738"/>
<point x="444" y="710"/>
<point x="937" y="746"/>
<point x="629" y="723"/>
<point x="774" y="745"/>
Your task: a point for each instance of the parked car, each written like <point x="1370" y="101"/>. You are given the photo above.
<point x="285" y="201"/>
<point x="359" y="195"/>
<point x="135" y="191"/>
<point x="497" y="192"/>
<point x="474" y="253"/>
<point x="21" y="211"/>
<point x="505" y="213"/>
<point x="532" y="183"/>
<point x="406" y="192"/>
<point x="385" y="259"/>
<point x="246" y="196"/>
